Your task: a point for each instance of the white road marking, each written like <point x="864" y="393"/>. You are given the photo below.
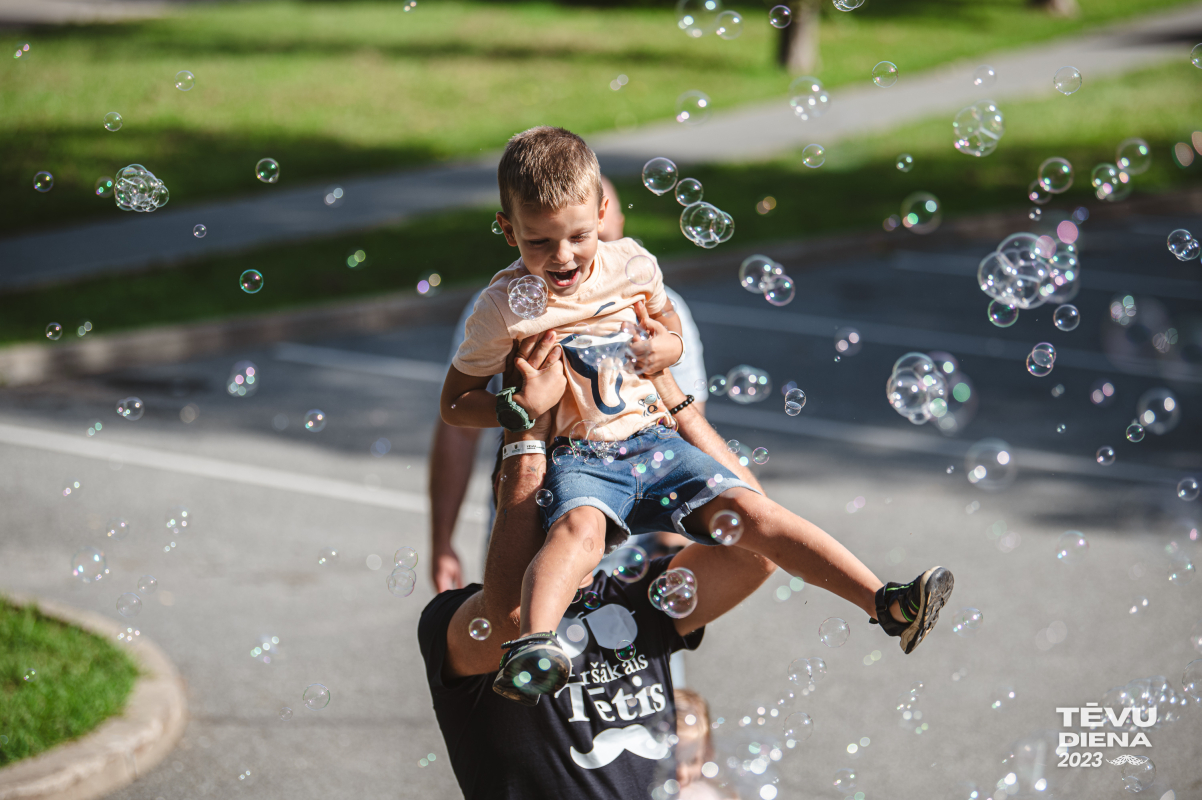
<point x="214" y="469"/>
<point x="352" y="361"/>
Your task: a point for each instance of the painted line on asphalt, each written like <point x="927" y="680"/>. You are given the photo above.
<point x="214" y="469"/>
<point x="353" y="361"/>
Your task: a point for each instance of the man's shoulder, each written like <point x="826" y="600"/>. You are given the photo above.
<point x="438" y="612"/>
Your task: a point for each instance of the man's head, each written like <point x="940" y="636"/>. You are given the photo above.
<point x="553" y="207"/>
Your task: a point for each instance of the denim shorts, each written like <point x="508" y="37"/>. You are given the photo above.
<point x="644" y="484"/>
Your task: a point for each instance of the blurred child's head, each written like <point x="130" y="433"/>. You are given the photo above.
<point x="553" y="206"/>
<point x="695" y="746"/>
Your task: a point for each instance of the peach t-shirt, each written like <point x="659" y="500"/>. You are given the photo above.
<point x="619" y="403"/>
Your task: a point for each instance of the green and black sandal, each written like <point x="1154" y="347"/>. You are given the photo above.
<point x="919" y="600"/>
<point x="533" y="665"/>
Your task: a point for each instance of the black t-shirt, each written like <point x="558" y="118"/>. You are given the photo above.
<point x="604" y="735"/>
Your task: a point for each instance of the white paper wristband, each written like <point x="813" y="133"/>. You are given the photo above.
<point x="522" y="448"/>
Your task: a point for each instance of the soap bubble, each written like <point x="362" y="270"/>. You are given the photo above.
<point x="1001" y="314"/>
<point x="692" y="108"/>
<point x="1071" y="547"/>
<point x="798" y="728"/>
<point x="130" y="408"/>
<point x="795" y="400"/>
<point x="813" y="155"/>
<point x="967" y="621"/>
<point x="1187" y="489"/>
<point x="781" y="291"/>
<point x="497" y="229"/>
<point x="845" y="781"/>
<point x="592" y="600"/>
<point x="401" y="581"/>
<point x="904" y="162"/>
<point x="1056" y="175"/>
<point x="184" y="80"/>
<point x="1135" y="432"/>
<point x="199" y="231"/>
<point x="833" y="632"/>
<point x="884" y="74"/>
<point x="479" y="629"/>
<point x="544" y="497"/>
<point x="285" y="713"/>
<point x="1183" y="245"/>
<point x="760" y="455"/>
<point x="659" y="175"/>
<point x="112" y="122"/>
<point x="978" y="128"/>
<point x="984" y="76"/>
<point x="800" y="672"/>
<point x="316" y="696"/>
<point x="129" y="605"/>
<point x="1133" y="156"/>
<point x="137" y="189"/>
<point x="528" y="296"/>
<point x="267" y="170"/>
<point x="689" y="191"/>
<point x="1191" y="679"/>
<point x="22" y="50"/>
<point x="327" y="555"/>
<point x="43" y="182"/>
<point x="989" y="464"/>
<point x="630" y="563"/>
<point x="808" y="98"/>
<point x="405" y="557"/>
<point x="177" y="520"/>
<point x="89" y="565"/>
<point x="780" y="16"/>
<point x="674" y="592"/>
<point x="1037" y="194"/>
<point x="730" y="25"/>
<point x="717" y="385"/>
<point x="148" y="584"/>
<point x="243" y="380"/>
<point x="1158" y="411"/>
<point x="726" y="527"/>
<point x="1067" y="80"/>
<point x="1067" y="317"/>
<point x="1181" y="571"/>
<point x="697" y="17"/>
<point x="1109" y="182"/>
<point x="116" y="530"/>
<point x="746" y="384"/>
<point x="70" y="487"/>
<point x="1105" y="456"/>
<point x="1138" y="776"/>
<point x="757" y="273"/>
<point x="921" y="213"/>
<point x="315" y="420"/>
<point x="848" y="5"/>
<point x="1002" y="698"/>
<point x="705" y="225"/>
<point x="54" y="331"/>
<point x="1195" y="55"/>
<point x="104" y="187"/>
<point x="625" y="650"/>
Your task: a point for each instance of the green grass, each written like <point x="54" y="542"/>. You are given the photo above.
<point x="335" y="88"/>
<point x="856" y="189"/>
<point x="81" y="680"/>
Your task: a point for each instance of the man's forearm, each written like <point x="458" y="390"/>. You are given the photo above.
<point x="476" y="408"/>
<point x="452" y="454"/>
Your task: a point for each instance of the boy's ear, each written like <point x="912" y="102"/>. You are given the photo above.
<point x="601" y="213"/>
<point x="507" y="229"/>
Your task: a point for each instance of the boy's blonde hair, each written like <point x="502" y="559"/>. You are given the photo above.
<point x="549" y="169"/>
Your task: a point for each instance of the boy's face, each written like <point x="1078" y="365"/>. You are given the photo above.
<point x="557" y="246"/>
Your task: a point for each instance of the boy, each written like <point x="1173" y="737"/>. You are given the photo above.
<point x="636" y="475"/>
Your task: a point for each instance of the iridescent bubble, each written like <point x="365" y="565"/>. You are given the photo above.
<point x="1187" y="489"/>
<point x="129" y="605"/>
<point x="808" y="98"/>
<point x="1183" y="245"/>
<point x="326" y="556"/>
<point x="697" y="17"/>
<point x="984" y="76"/>
<point x="528" y="296"/>
<point x="479" y="629"/>
<point x="316" y="696"/>
<point x="199" y="231"/>
<point x="989" y="464"/>
<point x="184" y="80"/>
<point x="1109" y="182"/>
<point x="1195" y="56"/>
<point x="544" y="497"/>
<point x="757" y="273"/>
<point x="116" y="530"/>
<point x="746" y="384"/>
<point x="717" y="385"/>
<point x="148" y="584"/>
<point x="1037" y="194"/>
<point x="1133" y="156"/>
<point x="659" y="175"/>
<point x="1037" y="369"/>
<point x="54" y="331"/>
<point x="904" y="162"/>
<point x="630" y="563"/>
<point x="1001" y="314"/>
<point x="592" y="600"/>
<point x="817" y="668"/>
<point x="689" y="191"/>
<point x="130" y="408"/>
<point x="267" y="170"/>
<point x="726" y="527"/>
<point x="1067" y="317"/>
<point x="177" y="520"/>
<point x="251" y="281"/>
<point x="693" y="108"/>
<point x="780" y="16"/>
<point x="43" y="182"/>
<point x="833" y="632"/>
<point x="243" y="380"/>
<point x="401" y="582"/>
<point x="967" y="621"/>
<point x="1105" y="456"/>
<point x="978" y="128"/>
<point x="760" y="455"/>
<point x="625" y="650"/>
<point x="1035" y="214"/>
<point x="71" y="487"/>
<point x="921" y="212"/>
<point x="800" y="672"/>
<point x="1056" y="175"/>
<point x="1002" y="698"/>
<point x="1067" y="80"/>
<point x="781" y="291"/>
<point x="1071" y="547"/>
<point x="1139" y="775"/>
<point x="795" y="400"/>
<point x="730" y="25"/>
<point x="1158" y="411"/>
<point x="798" y="728"/>
<point x="89" y="565"/>
<point x="497" y="229"/>
<point x="22" y="50"/>
<point x="1044" y="354"/>
<point x="405" y="557"/>
<point x="884" y="74"/>
<point x="1182" y="571"/>
<point x="1135" y="432"/>
<point x="104" y="187"/>
<point x="1191" y="679"/>
<point x="813" y="155"/>
<point x="285" y="713"/>
<point x="845" y="781"/>
<point x="112" y="122"/>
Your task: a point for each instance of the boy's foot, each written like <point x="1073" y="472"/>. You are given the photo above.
<point x="919" y="600"/>
<point x="533" y="665"/>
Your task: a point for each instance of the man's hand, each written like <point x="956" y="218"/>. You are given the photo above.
<point x="660" y="350"/>
<point x="446" y="571"/>
<point x="536" y="368"/>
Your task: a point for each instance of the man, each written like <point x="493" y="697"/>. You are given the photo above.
<point x="607" y="732"/>
<point x="453" y="450"/>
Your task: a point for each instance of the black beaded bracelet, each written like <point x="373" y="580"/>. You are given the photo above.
<point x="688" y="399"/>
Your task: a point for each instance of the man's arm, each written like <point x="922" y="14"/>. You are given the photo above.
<point x="725" y="575"/>
<point x="452" y="453"/>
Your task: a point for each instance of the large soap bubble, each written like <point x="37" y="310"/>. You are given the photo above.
<point x="978" y="128"/>
<point x="137" y="189"/>
<point x="808" y="98"/>
<point x="659" y="175"/>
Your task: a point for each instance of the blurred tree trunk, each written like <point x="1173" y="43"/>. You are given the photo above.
<point x="1057" y="8"/>
<point x="798" y="51"/>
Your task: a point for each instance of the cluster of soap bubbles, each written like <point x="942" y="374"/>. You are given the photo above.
<point x="1026" y="271"/>
<point x="759" y="274"/>
<point x="1145" y="695"/>
<point x="1041" y="360"/>
<point x="130" y="408"/>
<point x="243" y="380"/>
<point x="978" y="128"/>
<point x="674" y="592"/>
<point x="137" y="189"/>
<point x="808" y="98"/>
<point x="528" y="296"/>
<point x="403" y="578"/>
<point x="917" y="388"/>
<point x="743" y="384"/>
<point x="1183" y="245"/>
<point x="703" y="224"/>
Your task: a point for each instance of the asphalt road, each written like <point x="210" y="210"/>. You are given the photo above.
<point x="266" y="496"/>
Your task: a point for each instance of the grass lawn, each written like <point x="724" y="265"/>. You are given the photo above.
<point x="856" y="189"/>
<point x="334" y="88"/>
<point x="81" y="680"/>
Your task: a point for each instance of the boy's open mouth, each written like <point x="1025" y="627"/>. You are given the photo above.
<point x="564" y="279"/>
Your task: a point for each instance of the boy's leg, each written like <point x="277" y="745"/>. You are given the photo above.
<point x="573" y="549"/>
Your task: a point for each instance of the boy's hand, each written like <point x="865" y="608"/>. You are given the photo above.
<point x="536" y="368"/>
<point x="660" y="350"/>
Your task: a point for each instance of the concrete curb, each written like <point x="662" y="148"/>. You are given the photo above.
<point x="122" y="748"/>
<point x="30" y="364"/>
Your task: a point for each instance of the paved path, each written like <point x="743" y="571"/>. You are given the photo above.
<point x="133" y="242"/>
